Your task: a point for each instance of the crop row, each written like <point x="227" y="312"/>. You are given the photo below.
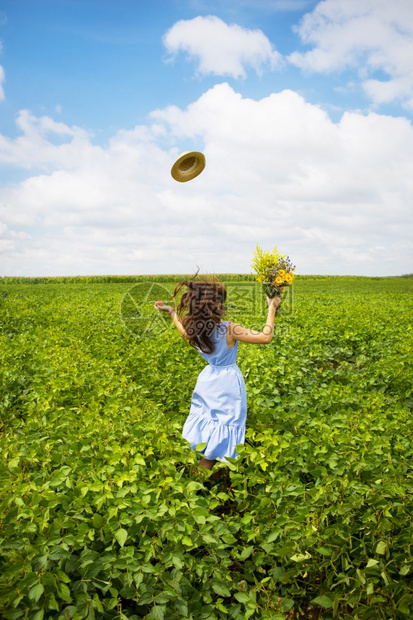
<point x="102" y="514"/>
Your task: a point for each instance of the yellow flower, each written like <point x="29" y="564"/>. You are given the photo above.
<point x="282" y="288"/>
<point x="262" y="260"/>
<point x="289" y="278"/>
<point x="265" y="263"/>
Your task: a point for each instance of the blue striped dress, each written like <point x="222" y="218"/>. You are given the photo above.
<point x="218" y="410"/>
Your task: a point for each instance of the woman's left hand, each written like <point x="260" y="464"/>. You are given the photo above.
<point x="274" y="301"/>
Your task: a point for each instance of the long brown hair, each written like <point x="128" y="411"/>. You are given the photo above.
<point x="200" y="309"/>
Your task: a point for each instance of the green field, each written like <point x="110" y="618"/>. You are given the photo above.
<point x="101" y="513"/>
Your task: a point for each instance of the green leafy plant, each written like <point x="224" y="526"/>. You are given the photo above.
<point x="102" y="514"/>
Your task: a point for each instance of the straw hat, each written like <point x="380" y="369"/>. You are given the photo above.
<point x="188" y="166"/>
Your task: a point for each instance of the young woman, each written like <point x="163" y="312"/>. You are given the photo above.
<point x="218" y="410"/>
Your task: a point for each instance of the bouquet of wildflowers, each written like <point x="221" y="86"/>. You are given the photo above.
<point x="274" y="270"/>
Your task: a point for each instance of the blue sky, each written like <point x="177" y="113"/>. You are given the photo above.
<point x="103" y="62"/>
<point x="302" y="108"/>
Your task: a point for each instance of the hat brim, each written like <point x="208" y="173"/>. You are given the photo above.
<point x="188" y="166"/>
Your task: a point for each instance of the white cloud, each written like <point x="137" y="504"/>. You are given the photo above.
<point x="221" y="49"/>
<point x="367" y="35"/>
<point x="44" y="144"/>
<point x="335" y="196"/>
<point x="2" y="79"/>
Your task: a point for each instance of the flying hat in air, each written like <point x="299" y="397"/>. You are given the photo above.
<point x="188" y="166"/>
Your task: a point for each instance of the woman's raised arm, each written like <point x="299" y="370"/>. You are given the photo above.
<point x="159" y="305"/>
<point x="244" y="334"/>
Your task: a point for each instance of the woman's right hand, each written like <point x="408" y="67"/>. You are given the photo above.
<point x="159" y="305"/>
